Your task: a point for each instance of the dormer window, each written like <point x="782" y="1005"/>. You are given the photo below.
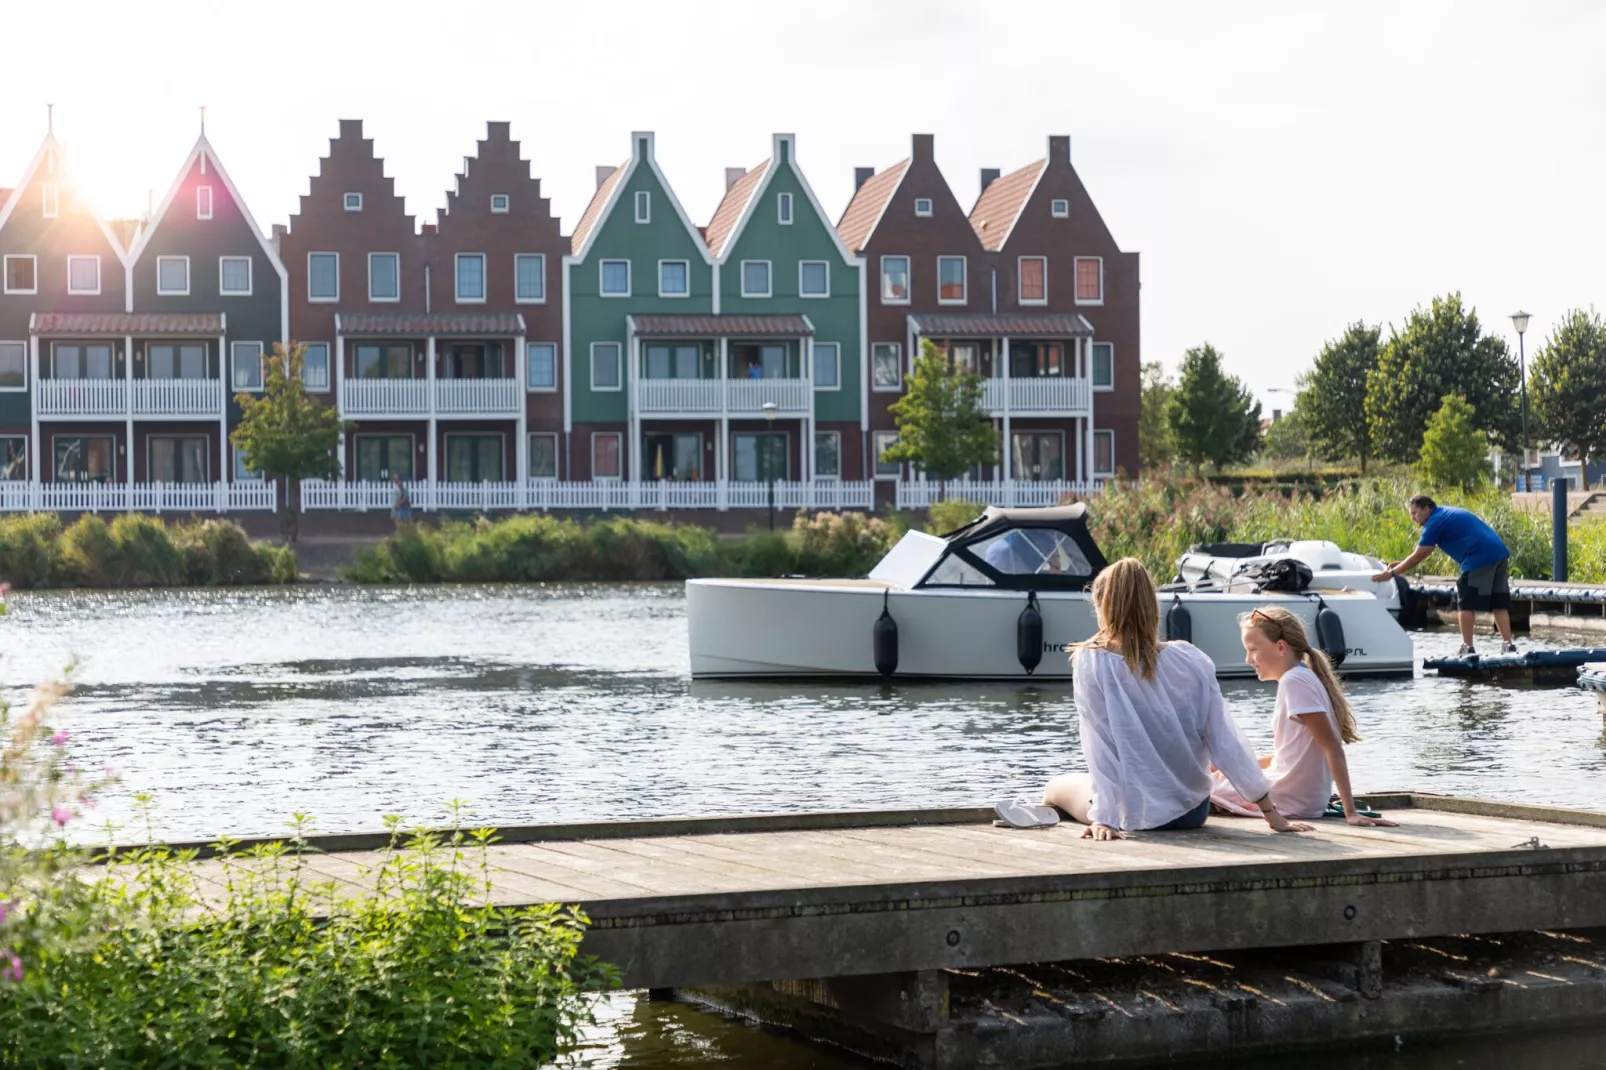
<point x="499" y="203"/>
<point x="353" y="202"/>
<point x="783" y="209"/>
<point x="923" y="207"/>
<point x="643" y="207"/>
<point x="1060" y="208"/>
<point x="203" y="202"/>
<point x="50" y="198"/>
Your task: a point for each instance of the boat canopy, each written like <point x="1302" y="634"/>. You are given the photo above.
<point x="1020" y="550"/>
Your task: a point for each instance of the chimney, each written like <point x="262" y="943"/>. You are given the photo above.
<point x="733" y="175"/>
<point x="603" y="171"/>
<point x="351" y="128"/>
<point x="1059" y="148"/>
<point x="861" y="175"/>
<point x="989" y="175"/>
<point x="502" y="131"/>
<point x="924" y="148"/>
<point x="279" y="231"/>
<point x="1276" y="414"/>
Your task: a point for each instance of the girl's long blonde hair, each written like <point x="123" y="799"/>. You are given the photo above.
<point x="1278" y="624"/>
<point x="1129" y="614"/>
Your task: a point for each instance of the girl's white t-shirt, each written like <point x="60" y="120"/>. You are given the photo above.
<point x="1301" y="783"/>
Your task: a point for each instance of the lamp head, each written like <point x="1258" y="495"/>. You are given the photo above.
<point x="1519" y="320"/>
<point x="770" y="409"/>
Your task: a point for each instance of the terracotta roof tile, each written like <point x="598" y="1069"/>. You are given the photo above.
<point x="593" y="212"/>
<point x="1000" y="205"/>
<point x="180" y="323"/>
<point x="372" y="323"/>
<point x="869" y="201"/>
<point x="723" y="326"/>
<point x="729" y="212"/>
<point x="1018" y="324"/>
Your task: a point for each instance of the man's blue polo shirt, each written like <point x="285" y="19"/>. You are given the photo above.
<point x="1464" y="536"/>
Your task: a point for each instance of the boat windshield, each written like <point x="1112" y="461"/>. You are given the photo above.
<point x="1019" y="549"/>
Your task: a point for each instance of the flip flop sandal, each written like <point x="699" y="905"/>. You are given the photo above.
<point x="1020" y="814"/>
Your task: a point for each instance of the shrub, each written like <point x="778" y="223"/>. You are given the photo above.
<point x="87" y="554"/>
<point x="840" y="544"/>
<point x="951" y="515"/>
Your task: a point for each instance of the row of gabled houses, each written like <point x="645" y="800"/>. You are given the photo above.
<point x="488" y="349"/>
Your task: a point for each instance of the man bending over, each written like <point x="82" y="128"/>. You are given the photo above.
<point x="1480" y="554"/>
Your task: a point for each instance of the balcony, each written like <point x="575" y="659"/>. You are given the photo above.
<point x="178" y="397"/>
<point x="477" y="397"/>
<point x="82" y="397"/>
<point x="710" y="397"/>
<point x="385" y="397"/>
<point x="1049" y="395"/>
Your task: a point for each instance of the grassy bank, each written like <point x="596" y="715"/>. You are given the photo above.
<point x="135" y="551"/>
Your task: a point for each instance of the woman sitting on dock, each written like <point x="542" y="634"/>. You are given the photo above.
<point x="1153" y="723"/>
<point x="1311" y="722"/>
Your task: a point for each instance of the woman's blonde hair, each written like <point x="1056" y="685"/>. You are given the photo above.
<point x="1129" y="614"/>
<point x="1279" y="625"/>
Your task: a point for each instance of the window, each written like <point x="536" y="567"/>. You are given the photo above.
<point x="1034" y="551"/>
<point x="544" y="455"/>
<point x="171" y="361"/>
<point x="760" y="457"/>
<point x="1033" y="280"/>
<point x="541" y="365"/>
<point x="886" y="366"/>
<point x="388" y="361"/>
<point x="605" y="454"/>
<point x="605" y="361"/>
<point x="783" y="209"/>
<point x="176" y="459"/>
<point x="1035" y="360"/>
<point x="1103" y="366"/>
<point x="323" y="276"/>
<point x="827" y="455"/>
<point x="470" y="278"/>
<point x="894" y="280"/>
<point x="173" y="275"/>
<point x="673" y="362"/>
<point x="923" y="206"/>
<point x="616" y="278"/>
<point x="499" y="203"/>
<point x="1060" y="208"/>
<point x="22" y="274"/>
<point x="529" y="278"/>
<point x="473" y="360"/>
<point x="767" y="361"/>
<point x="83" y="274"/>
<point x="315" y="366"/>
<point x="13" y="458"/>
<point x="674" y="278"/>
<point x="674" y="456"/>
<point x="242" y="470"/>
<point x="384" y="277"/>
<point x="353" y="202"/>
<point x="82" y="458"/>
<point x="1039" y="456"/>
<point x="381" y="456"/>
<point x="203" y="202"/>
<point x="1089" y="280"/>
<point x="814" y="278"/>
<point x="1104" y="453"/>
<point x="880" y="442"/>
<point x="643" y="206"/>
<point x="73" y="361"/>
<point x="755" y="278"/>
<point x="827" y="366"/>
<point x="50" y="199"/>
<point x="13" y="365"/>
<point x="474" y="458"/>
<point x="234" y="275"/>
<point x="246" y="358"/>
<point x="951" y="280"/>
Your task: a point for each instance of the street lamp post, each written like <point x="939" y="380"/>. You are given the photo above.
<point x="1519" y="320"/>
<point x="770" y="409"/>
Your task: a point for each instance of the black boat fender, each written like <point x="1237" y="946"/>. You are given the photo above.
<point x="1410" y="612"/>
<point x="1330" y="632"/>
<point x="884" y="641"/>
<point x="1178" y="621"/>
<point x="1029" y="635"/>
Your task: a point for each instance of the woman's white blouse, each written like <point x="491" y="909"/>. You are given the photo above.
<point x="1149" y="744"/>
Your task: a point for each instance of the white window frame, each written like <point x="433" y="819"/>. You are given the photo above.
<point x="349" y="204"/>
<point x="927" y="211"/>
<point x="533" y="435"/>
<point x="769" y="278"/>
<point x="643" y="204"/>
<point x="234" y="359"/>
<point x="596" y="436"/>
<point x="908" y="280"/>
<point x="50" y="200"/>
<point x="457" y="278"/>
<point x="540" y="262"/>
<point x="150" y="443"/>
<point x="22" y="346"/>
<point x="964" y="281"/>
<point x="250" y="277"/>
<point x="897" y="351"/>
<point x="801" y="264"/>
<point x="328" y="360"/>
<point x="1060" y="208"/>
<point x="1076" y="280"/>
<point x="5" y="273"/>
<point x="527" y="366"/>
<point x="1092" y="461"/>
<point x="93" y="259"/>
<point x="602" y="274"/>
<point x="1095" y="383"/>
<point x="313" y="300"/>
<point x="876" y="438"/>
<point x="835" y="350"/>
<point x="783" y="209"/>
<point x="1020" y="287"/>
<point x="619" y="358"/>
<point x="241" y="473"/>
<point x="203" y="204"/>
<point x="684" y="293"/>
<point x="187" y="280"/>
<point x="506" y="203"/>
<point x="822" y="477"/>
<point x="384" y="300"/>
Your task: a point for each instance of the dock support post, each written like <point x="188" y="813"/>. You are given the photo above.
<point x="1558" y="529"/>
<point x="1358" y="965"/>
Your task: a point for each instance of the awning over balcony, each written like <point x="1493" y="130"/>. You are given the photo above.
<point x="723" y="326"/>
<point x="1014" y="324"/>
<point x="206" y="324"/>
<point x="392" y="324"/>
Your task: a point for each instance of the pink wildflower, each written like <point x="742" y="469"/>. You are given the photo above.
<point x="5" y="910"/>
<point x="60" y="815"/>
<point x="61" y="737"/>
<point x="13" y="967"/>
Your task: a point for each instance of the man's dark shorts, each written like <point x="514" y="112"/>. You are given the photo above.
<point x="1485" y="588"/>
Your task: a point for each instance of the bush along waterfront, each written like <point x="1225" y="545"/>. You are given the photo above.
<point x="136" y="551"/>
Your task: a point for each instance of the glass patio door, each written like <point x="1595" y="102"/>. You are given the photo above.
<point x="381" y="456"/>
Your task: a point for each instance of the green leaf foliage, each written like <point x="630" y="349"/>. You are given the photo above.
<point x="1454" y="450"/>
<point x="1286" y="439"/>
<point x="1332" y="405"/>
<point x="133" y="550"/>
<point x="1568" y="388"/>
<point x="942" y="427"/>
<point x="1155" y="450"/>
<point x="1212" y="416"/>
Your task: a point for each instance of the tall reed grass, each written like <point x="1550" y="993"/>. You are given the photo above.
<point x="133" y="550"/>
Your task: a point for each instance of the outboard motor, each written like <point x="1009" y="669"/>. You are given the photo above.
<point x="1029" y="635"/>
<point x="884" y="643"/>
<point x="1410" y="615"/>
<point x="1330" y="632"/>
<point x="1178" y="621"/>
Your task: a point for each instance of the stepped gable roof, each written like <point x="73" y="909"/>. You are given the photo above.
<point x="869" y="202"/>
<point x="593" y="212"/>
<point x="1000" y="204"/>
<point x="722" y="227"/>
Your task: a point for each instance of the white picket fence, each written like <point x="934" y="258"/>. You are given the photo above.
<point x="251" y="496"/>
<point x="1010" y="493"/>
<point x="542" y="494"/>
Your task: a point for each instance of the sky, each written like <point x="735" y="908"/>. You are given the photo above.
<point x="1283" y="168"/>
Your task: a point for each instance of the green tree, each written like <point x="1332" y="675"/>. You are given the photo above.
<point x="1332" y="404"/>
<point x="1455" y="451"/>
<point x="1441" y="351"/>
<point x="1568" y="387"/>
<point x="1286" y="439"/>
<point x="287" y="433"/>
<point x="942" y="426"/>
<point x="1211" y="415"/>
<point x="1154" y="434"/>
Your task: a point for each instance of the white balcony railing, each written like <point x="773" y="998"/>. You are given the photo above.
<point x="256" y="495"/>
<point x="1015" y="492"/>
<point x="679" y="396"/>
<point x="82" y="397"/>
<point x="1049" y="395"/>
<point x="708" y="397"/>
<point x="477" y="397"/>
<point x="789" y="395"/>
<point x="542" y="494"/>
<point x="178" y="397"/>
<point x="386" y="397"/>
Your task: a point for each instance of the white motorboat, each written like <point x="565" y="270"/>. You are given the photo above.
<point x="1235" y="565"/>
<point x="1003" y="597"/>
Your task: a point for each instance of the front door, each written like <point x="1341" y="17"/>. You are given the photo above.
<point x="759" y="457"/>
<point x="677" y="457"/>
<point x="474" y="458"/>
<point x="1039" y="456"/>
<point x="381" y="456"/>
<point x="177" y="459"/>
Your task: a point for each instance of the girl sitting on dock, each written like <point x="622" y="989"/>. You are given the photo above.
<point x="1311" y="723"/>
<point x="1153" y="722"/>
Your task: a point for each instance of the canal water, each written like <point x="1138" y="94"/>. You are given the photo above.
<point x="234" y="709"/>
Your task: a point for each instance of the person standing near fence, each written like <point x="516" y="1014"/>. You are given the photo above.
<point x="401" y="506"/>
<point x="1484" y="584"/>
